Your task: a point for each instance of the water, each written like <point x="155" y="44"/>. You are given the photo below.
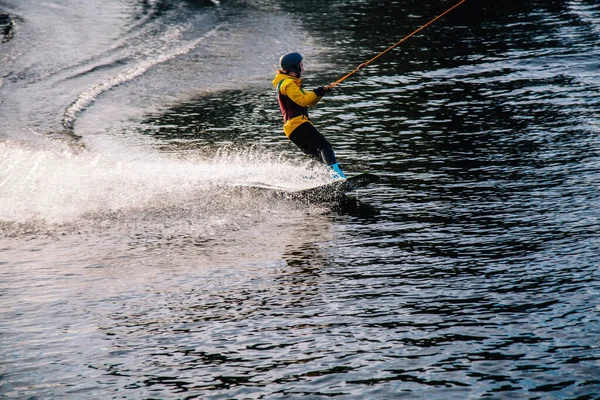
<point x="138" y="259"/>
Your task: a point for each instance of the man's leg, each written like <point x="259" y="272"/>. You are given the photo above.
<point x="310" y="140"/>
<point x="313" y="143"/>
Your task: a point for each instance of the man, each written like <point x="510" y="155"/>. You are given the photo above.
<point x="294" y="102"/>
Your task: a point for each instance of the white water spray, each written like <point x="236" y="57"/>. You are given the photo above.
<point x="59" y="187"/>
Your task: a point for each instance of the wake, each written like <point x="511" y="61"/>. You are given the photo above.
<point x="166" y="53"/>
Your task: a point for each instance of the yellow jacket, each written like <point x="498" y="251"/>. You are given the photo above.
<point x="293" y="101"/>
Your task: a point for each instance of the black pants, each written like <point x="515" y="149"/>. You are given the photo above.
<point x="311" y="142"/>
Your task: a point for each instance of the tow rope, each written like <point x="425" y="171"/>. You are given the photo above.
<point x="363" y="65"/>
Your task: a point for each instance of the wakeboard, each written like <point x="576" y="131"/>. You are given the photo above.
<point x="333" y="190"/>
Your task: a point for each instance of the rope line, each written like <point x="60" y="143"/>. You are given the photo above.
<point x="363" y="65"/>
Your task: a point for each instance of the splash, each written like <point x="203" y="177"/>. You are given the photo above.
<point x="52" y="187"/>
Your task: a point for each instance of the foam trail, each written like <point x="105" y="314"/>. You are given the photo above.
<point x="87" y="97"/>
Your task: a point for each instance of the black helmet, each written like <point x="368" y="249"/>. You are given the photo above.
<point x="291" y="62"/>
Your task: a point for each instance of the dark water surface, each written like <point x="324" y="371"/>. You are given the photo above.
<point x="138" y="259"/>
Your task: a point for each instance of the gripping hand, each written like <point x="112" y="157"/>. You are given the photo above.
<point x="322" y="90"/>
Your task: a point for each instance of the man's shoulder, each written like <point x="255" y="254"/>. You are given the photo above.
<point x="283" y="80"/>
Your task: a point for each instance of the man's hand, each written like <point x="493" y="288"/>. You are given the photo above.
<point x="322" y="90"/>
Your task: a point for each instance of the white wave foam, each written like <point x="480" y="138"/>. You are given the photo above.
<point x="166" y="53"/>
<point x="61" y="187"/>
